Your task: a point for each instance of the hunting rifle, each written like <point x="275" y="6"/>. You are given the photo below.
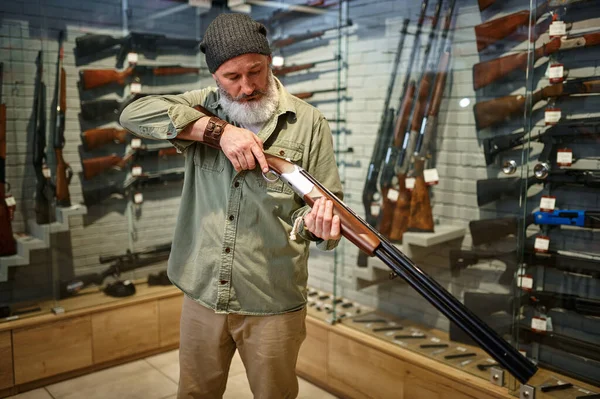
<point x="110" y="110"/>
<point x="64" y="173"/>
<point x="293" y="39"/>
<point x="369" y="240"/>
<point x="487" y="72"/>
<point x="371" y="194"/>
<point x="490" y="32"/>
<point x="92" y="78"/>
<point x="284" y="70"/>
<point x="96" y="138"/>
<point x="308" y="94"/>
<point x="7" y="240"/>
<point x="492" y="112"/>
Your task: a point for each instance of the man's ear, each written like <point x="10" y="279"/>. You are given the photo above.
<point x="269" y="59"/>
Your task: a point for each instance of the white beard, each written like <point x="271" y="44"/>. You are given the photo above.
<point x="251" y="112"/>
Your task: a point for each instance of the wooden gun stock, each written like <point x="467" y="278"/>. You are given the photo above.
<point x="92" y="78"/>
<point x="94" y="166"/>
<point x="304" y="95"/>
<point x="420" y="218"/>
<point x="169" y="71"/>
<point x="292" y="68"/>
<point x="63" y="178"/>
<point x="497" y="29"/>
<point x="96" y="138"/>
<point x="167" y="152"/>
<point x="398" y="218"/>
<point x="483" y="4"/>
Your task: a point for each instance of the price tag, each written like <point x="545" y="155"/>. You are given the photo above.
<point x="12" y="206"/>
<point x="556" y="73"/>
<point x="557" y="29"/>
<point x="525" y="282"/>
<point x="564" y="157"/>
<point x="136" y="143"/>
<point x="135" y="87"/>
<point x="136" y="171"/>
<point x="132" y="58"/>
<point x="390" y="333"/>
<point x="410" y="183"/>
<point x="542" y="243"/>
<point x="375" y="210"/>
<point x="461" y="349"/>
<point x="539" y="324"/>
<point x="401" y="343"/>
<point x="138" y="198"/>
<point x="392" y="194"/>
<point x="552" y="116"/>
<point x="431" y="177"/>
<point x="523" y="353"/>
<point x="10" y="200"/>
<point x="436" y="340"/>
<point x="416" y="333"/>
<point x="547" y="203"/>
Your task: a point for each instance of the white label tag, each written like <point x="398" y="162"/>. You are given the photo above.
<point x="136" y="143"/>
<point x="136" y="171"/>
<point x="375" y="210"/>
<point x="410" y="183"/>
<point x="436" y="340"/>
<point x="525" y="282"/>
<point x="556" y="72"/>
<point x="552" y="117"/>
<point x="135" y="87"/>
<point x="558" y="28"/>
<point x="401" y="343"/>
<point x="46" y="172"/>
<point x="390" y="333"/>
<point x="431" y="176"/>
<point x="416" y="334"/>
<point x="138" y="198"/>
<point x="524" y="353"/>
<point x="547" y="204"/>
<point x="132" y="58"/>
<point x="564" y="157"/>
<point x="461" y="349"/>
<point x="205" y="4"/>
<point x="541" y="244"/>
<point x="10" y="201"/>
<point x="538" y="324"/>
<point x="392" y="194"/>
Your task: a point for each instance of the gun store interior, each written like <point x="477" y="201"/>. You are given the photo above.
<point x="466" y="138"/>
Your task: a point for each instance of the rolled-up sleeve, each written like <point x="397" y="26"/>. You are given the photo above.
<point x="164" y="117"/>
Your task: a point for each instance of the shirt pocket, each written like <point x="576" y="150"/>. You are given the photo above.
<point x="285" y="149"/>
<point x="208" y="158"/>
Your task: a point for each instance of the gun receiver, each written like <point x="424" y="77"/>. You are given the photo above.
<point x="96" y="138"/>
<point x="369" y="240"/>
<point x="487" y="72"/>
<point x="92" y="78"/>
<point x="7" y="240"/>
<point x="492" y="112"/>
<point x="94" y="166"/>
<point x="293" y="39"/>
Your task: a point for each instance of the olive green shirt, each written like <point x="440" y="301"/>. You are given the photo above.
<point x="231" y="250"/>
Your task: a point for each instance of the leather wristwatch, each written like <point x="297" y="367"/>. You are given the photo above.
<point x="213" y="131"/>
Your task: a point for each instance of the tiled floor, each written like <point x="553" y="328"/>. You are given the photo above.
<point x="152" y="378"/>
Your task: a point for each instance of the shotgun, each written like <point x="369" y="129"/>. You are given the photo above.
<point x="490" y="32"/>
<point x="487" y="72"/>
<point x="491" y="190"/>
<point x="370" y="194"/>
<point x="492" y="112"/>
<point x="461" y="259"/>
<point x="308" y="94"/>
<point x="110" y="110"/>
<point x="565" y="131"/>
<point x="96" y="138"/>
<point x="92" y="78"/>
<point x="64" y="173"/>
<point x="293" y="39"/>
<point x="8" y="245"/>
<point x="95" y="166"/>
<point x="369" y="240"/>
<point x="44" y="189"/>
<point x="285" y="70"/>
<point x="388" y="171"/>
<point x="420" y="217"/>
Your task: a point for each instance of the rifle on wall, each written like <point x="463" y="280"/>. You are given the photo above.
<point x="293" y="39"/>
<point x="92" y="78"/>
<point x="94" y="166"/>
<point x="388" y="172"/>
<point x="492" y="112"/>
<point x="44" y="189"/>
<point x="64" y="173"/>
<point x="91" y="45"/>
<point x="369" y="240"/>
<point x="285" y="70"/>
<point x="370" y="194"/>
<point x="487" y="72"/>
<point x="309" y="94"/>
<point x="96" y="138"/>
<point x="8" y="245"/>
<point x="110" y="110"/>
<point x="120" y="264"/>
<point x="490" y="32"/>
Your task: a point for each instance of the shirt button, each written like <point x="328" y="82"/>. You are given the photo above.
<point x="231" y="217"/>
<point x="223" y="282"/>
<point x="236" y="184"/>
<point x="282" y="153"/>
<point x="228" y="250"/>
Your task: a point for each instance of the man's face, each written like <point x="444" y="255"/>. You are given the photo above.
<point x="245" y="77"/>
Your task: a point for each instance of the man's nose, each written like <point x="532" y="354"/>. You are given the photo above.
<point x="247" y="86"/>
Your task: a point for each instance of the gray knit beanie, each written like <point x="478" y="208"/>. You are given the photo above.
<point x="230" y="35"/>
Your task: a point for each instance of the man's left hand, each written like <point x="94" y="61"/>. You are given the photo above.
<point x="322" y="222"/>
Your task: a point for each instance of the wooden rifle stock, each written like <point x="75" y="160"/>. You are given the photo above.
<point x="169" y="71"/>
<point x="292" y="68"/>
<point x="483" y="4"/>
<point x="96" y="138"/>
<point x="92" y="78"/>
<point x="92" y="167"/>
<point x="288" y="41"/>
<point x="420" y="218"/>
<point x="497" y="29"/>
<point x="63" y="170"/>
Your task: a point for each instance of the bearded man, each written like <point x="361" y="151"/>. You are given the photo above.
<point x="243" y="277"/>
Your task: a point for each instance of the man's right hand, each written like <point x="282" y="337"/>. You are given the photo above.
<point x="243" y="148"/>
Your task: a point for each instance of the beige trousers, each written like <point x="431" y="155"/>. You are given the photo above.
<point x="268" y="346"/>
